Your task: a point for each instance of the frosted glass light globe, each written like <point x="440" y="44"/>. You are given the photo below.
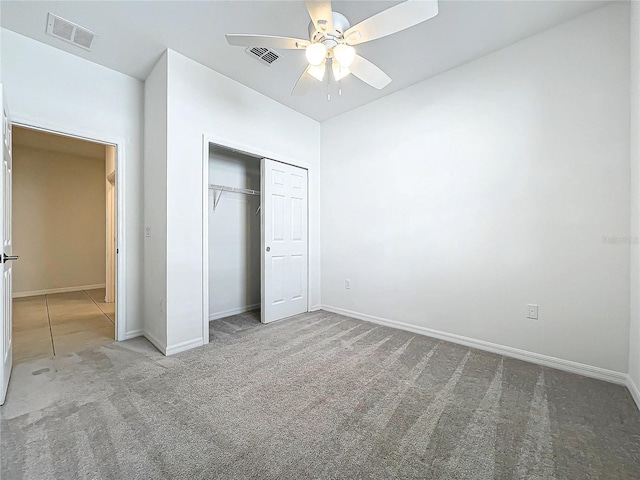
<point x="345" y="54"/>
<point x="316" y="53"/>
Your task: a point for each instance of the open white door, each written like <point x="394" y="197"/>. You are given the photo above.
<point x="284" y="240"/>
<point x="6" y="309"/>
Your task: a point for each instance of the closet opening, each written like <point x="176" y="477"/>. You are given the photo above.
<point x="234" y="235"/>
<point x="255" y="240"/>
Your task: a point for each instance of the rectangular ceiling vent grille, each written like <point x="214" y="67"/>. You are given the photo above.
<point x="70" y="32"/>
<point x="263" y="54"/>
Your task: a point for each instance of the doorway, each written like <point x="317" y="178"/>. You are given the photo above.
<point x="64" y="229"/>
<point x="255" y="237"/>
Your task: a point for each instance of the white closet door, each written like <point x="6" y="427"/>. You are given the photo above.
<point x="5" y="256"/>
<point x="284" y="240"/>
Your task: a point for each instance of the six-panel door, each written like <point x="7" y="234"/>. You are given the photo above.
<point x="7" y="272"/>
<point x="284" y="240"/>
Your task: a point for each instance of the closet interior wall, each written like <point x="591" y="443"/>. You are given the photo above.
<point x="234" y="234"/>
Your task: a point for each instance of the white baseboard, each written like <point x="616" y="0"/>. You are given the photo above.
<point x="133" y="334"/>
<point x="315" y="308"/>
<point x="51" y="291"/>
<point x="183" y="346"/>
<point x="233" y="311"/>
<point x="545" y="360"/>
<point x="155" y="342"/>
<point x="634" y="391"/>
<point x="173" y="349"/>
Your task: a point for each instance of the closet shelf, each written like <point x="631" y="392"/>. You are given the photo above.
<point x="224" y="188"/>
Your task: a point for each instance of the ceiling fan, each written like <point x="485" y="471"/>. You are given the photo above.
<point x="332" y="39"/>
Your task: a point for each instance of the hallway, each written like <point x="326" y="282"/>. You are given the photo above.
<point x="62" y="323"/>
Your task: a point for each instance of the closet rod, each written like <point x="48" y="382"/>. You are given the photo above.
<point x="223" y="188"/>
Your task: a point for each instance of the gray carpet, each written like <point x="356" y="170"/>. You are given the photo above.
<point x="316" y="396"/>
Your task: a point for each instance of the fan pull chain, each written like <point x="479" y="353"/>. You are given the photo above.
<point x="340" y="88"/>
<point x="328" y="84"/>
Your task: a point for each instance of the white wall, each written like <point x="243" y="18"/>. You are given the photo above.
<point x="155" y="204"/>
<point x="204" y="102"/>
<point x="453" y="203"/>
<point x="634" y="327"/>
<point x="48" y="87"/>
<point x="59" y="221"/>
<point x="234" y="235"/>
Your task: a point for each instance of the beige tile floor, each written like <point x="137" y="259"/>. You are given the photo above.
<point x="62" y="323"/>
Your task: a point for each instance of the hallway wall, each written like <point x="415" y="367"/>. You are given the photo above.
<point x="59" y="221"/>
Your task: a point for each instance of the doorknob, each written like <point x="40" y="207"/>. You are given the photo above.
<point x="6" y="258"/>
<point x="268" y="249"/>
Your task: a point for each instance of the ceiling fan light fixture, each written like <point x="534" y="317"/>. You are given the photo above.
<point x="317" y="71"/>
<point x="344" y="54"/>
<point x="332" y="39"/>
<point x="316" y="54"/>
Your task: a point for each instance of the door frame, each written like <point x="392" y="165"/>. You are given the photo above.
<point x="111" y="243"/>
<point x="258" y="153"/>
<point x="121" y="264"/>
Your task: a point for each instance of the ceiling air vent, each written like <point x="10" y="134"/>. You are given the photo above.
<point x="69" y="32"/>
<point x="263" y="54"/>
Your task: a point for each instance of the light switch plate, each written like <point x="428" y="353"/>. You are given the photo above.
<point x="532" y="311"/>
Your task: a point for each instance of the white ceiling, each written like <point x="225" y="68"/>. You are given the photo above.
<point x="133" y="35"/>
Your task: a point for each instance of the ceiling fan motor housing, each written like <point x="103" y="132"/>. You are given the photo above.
<point x="333" y="38"/>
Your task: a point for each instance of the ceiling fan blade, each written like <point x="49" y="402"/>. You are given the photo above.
<point x="392" y="20"/>
<point x="303" y="84"/>
<point x="317" y="71"/>
<point x="369" y="73"/>
<point x="321" y="14"/>
<point x="268" y="41"/>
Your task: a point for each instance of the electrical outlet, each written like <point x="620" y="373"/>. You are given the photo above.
<point x="532" y="311"/>
<point x="347" y="284"/>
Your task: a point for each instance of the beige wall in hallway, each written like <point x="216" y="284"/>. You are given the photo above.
<point x="58" y="220"/>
